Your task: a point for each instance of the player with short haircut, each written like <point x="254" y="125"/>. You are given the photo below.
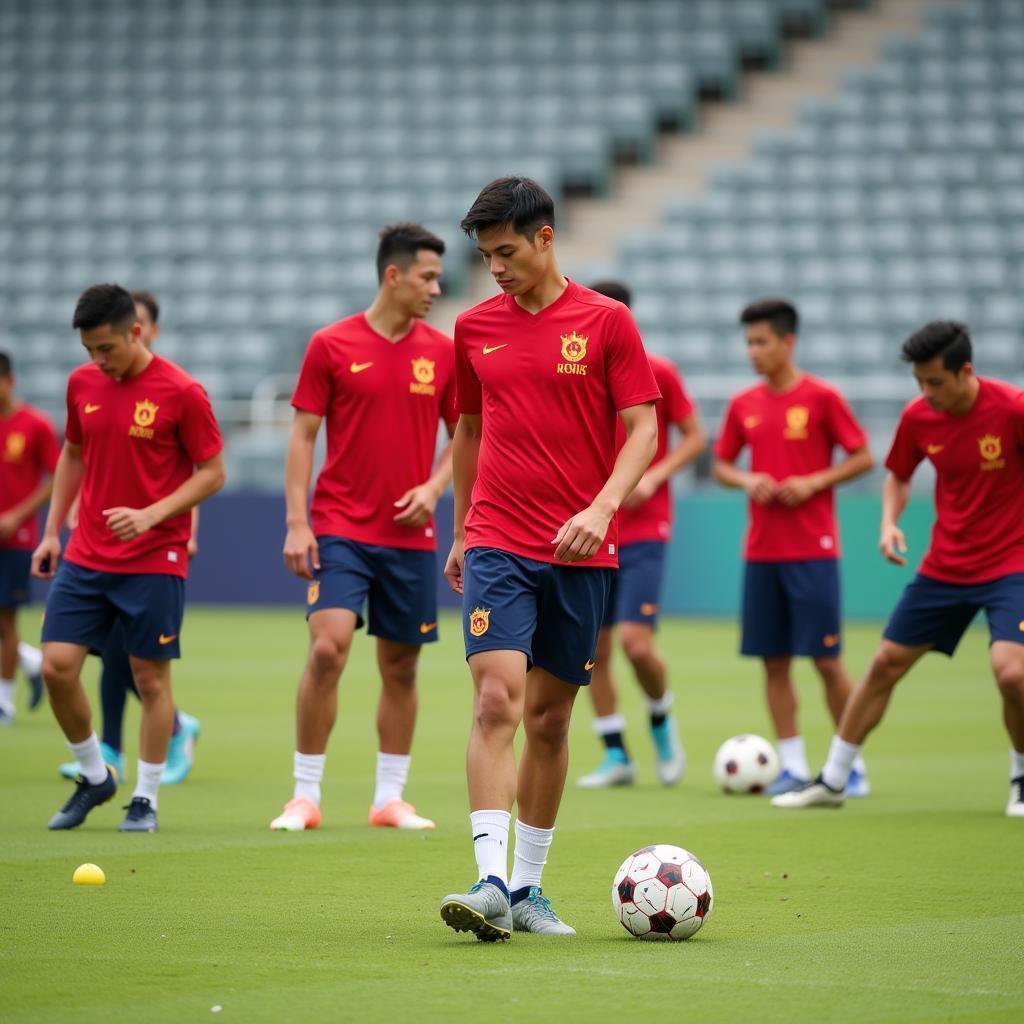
<point x="792" y="423"/>
<point x="645" y="525"/>
<point x="28" y="456"/>
<point x="382" y="379"/>
<point x="972" y="431"/>
<point x="543" y="369"/>
<point x="142" y="446"/>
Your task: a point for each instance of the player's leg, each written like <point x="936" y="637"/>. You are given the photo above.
<point x="14" y="592"/>
<point x="8" y="663"/>
<point x="616" y="769"/>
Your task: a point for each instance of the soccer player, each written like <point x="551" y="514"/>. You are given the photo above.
<point x="544" y="371"/>
<point x="791" y="422"/>
<point x="143" y="447"/>
<point x="972" y="431"/>
<point x="383" y="379"/>
<point x="116" y="676"/>
<point x="28" y="457"/>
<point x="645" y="524"/>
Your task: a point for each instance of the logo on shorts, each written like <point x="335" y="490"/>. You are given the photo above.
<point x="14" y="448"/>
<point x="991" y="447"/>
<point x="423" y="373"/>
<point x="165" y="640"/>
<point x="145" y="416"/>
<point x="479" y="621"/>
<point x="427" y="627"/>
<point x="830" y="639"/>
<point x="797" y="417"/>
<point x="574" y="349"/>
<point x="313" y="593"/>
<point x="647" y="608"/>
<point x="589" y="665"/>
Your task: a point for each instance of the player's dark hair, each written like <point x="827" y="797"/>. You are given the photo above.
<point x="399" y="244"/>
<point x="6" y="366"/>
<point x="614" y="290"/>
<point x="141" y="297"/>
<point x="946" y="338"/>
<point x="103" y="304"/>
<point x="519" y="202"/>
<point x="778" y="313"/>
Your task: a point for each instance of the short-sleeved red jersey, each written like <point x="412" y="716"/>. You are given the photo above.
<point x="548" y="386"/>
<point x="653" y="519"/>
<point x="141" y="439"/>
<point x="790" y="434"/>
<point x="28" y="452"/>
<point x="979" y="482"/>
<point x="382" y="401"/>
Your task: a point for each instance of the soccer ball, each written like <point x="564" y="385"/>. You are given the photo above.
<point x="746" y="764"/>
<point x="662" y="893"/>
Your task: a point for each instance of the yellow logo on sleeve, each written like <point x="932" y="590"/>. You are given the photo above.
<point x="797" y="417"/>
<point x="145" y="417"/>
<point x="15" y="447"/>
<point x="423" y="377"/>
<point x="479" y="621"/>
<point x="991" y="448"/>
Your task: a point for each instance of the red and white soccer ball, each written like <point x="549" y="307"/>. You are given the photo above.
<point x="746" y="764"/>
<point x="662" y="893"/>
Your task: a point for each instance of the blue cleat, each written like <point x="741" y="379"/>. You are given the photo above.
<point x="36" y="691"/>
<point x="670" y="755"/>
<point x="785" y="783"/>
<point x="181" y="752"/>
<point x="113" y="758"/>
<point x="85" y="797"/>
<point x="857" y="784"/>
<point x="615" y="770"/>
<point x="141" y="816"/>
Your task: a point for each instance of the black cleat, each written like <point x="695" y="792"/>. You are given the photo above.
<point x="85" y="797"/>
<point x="141" y="816"/>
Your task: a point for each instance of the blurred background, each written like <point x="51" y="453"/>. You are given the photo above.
<point x="238" y="157"/>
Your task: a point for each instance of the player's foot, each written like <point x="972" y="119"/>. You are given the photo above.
<point x="35" y="691"/>
<point x="298" y="815"/>
<point x="615" y="770"/>
<point x="7" y="715"/>
<point x="484" y="910"/>
<point x="857" y="784"/>
<point x="181" y="752"/>
<point x="1015" y="808"/>
<point x="533" y="913"/>
<point x="141" y="816"/>
<point x="85" y="797"/>
<point x="668" y="749"/>
<point x="786" y="782"/>
<point x="113" y="758"/>
<point x="398" y="814"/>
<point x="813" y="794"/>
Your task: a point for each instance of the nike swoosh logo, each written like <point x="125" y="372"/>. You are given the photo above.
<point x="165" y="640"/>
<point x="589" y="665"/>
<point x="934" y="449"/>
<point x="359" y="367"/>
<point x="481" y="835"/>
<point x="428" y="627"/>
<point x="488" y="349"/>
<point x="90" y="408"/>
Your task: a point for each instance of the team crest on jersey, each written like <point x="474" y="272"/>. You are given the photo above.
<point x="14" y="448"/>
<point x="479" y="621"/>
<point x="574" y="349"/>
<point x="797" y="417"/>
<point x="145" y="417"/>
<point x="423" y="372"/>
<point x="313" y="592"/>
<point x="991" y="448"/>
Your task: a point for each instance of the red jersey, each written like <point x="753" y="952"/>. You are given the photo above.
<point x="548" y="386"/>
<point x="790" y="434"/>
<point x="382" y="401"/>
<point x="28" y="452"/>
<point x="653" y="519"/>
<point x="141" y="439"/>
<point x="979" y="482"/>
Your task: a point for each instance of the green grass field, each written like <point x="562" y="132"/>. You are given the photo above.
<point x="908" y="906"/>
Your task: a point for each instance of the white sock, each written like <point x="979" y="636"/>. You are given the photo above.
<point x="7" y="693"/>
<point x="31" y="658"/>
<point x="308" y="771"/>
<point x="490" y="842"/>
<point x="660" y="705"/>
<point x="148" y="780"/>
<point x="1016" y="763"/>
<point x="392" y="771"/>
<point x="859" y="765"/>
<point x="607" y="724"/>
<point x="794" y="757"/>
<point x="841" y="756"/>
<point x="90" y="759"/>
<point x="532" y="845"/>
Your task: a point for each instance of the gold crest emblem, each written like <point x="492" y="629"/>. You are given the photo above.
<point x="797" y="417"/>
<point x="479" y="621"/>
<point x="145" y="413"/>
<point x="15" y="447"/>
<point x="313" y="593"/>
<point x="991" y="447"/>
<point x="423" y="370"/>
<point x="574" y="346"/>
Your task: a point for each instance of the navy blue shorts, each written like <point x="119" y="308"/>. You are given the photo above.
<point x="791" y="608"/>
<point x="937" y="613"/>
<point x="14" y="573"/>
<point x="552" y="613"/>
<point x="636" y="587"/>
<point x="399" y="585"/>
<point x="84" y="604"/>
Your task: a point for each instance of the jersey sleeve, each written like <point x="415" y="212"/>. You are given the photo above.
<point x="315" y="384"/>
<point x="730" y="439"/>
<point x="47" y="445"/>
<point x="843" y="425"/>
<point x="449" y="413"/>
<point x="197" y="426"/>
<point x="1018" y="418"/>
<point x="73" y="425"/>
<point x="905" y="453"/>
<point x="627" y="368"/>
<point x="468" y="393"/>
<point x="678" y="405"/>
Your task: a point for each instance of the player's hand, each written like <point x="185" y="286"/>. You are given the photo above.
<point x="761" y="487"/>
<point x="9" y="524"/>
<point x="643" y="491"/>
<point x="893" y="545"/>
<point x="580" y="537"/>
<point x="192" y="548"/>
<point x="453" y="567"/>
<point x="417" y="505"/>
<point x="129" y="523"/>
<point x="795" y="490"/>
<point x="45" y="558"/>
<point x="301" y="551"/>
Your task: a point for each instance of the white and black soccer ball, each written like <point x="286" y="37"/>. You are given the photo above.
<point x="662" y="893"/>
<point x="746" y="764"/>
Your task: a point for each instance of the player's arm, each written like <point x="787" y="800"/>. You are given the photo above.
<point x="300" y="546"/>
<point x="692" y="441"/>
<point x="12" y="519"/>
<point x="465" y="458"/>
<point x="580" y="537"/>
<point x="193" y="538"/>
<point x="891" y="542"/>
<point x="417" y="505"/>
<point x="67" y="481"/>
<point x="795" y="490"/>
<point x="760" y="487"/>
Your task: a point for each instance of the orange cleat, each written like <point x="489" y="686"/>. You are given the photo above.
<point x="398" y="814"/>
<point x="298" y="815"/>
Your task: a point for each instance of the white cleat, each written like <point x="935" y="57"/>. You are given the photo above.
<point x="670" y="755"/>
<point x="614" y="770"/>
<point x="814" y="794"/>
<point x="1015" y="807"/>
<point x="299" y="815"/>
<point x="533" y="913"/>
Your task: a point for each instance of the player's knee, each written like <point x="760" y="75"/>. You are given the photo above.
<point x="494" y="708"/>
<point x="1010" y="680"/>
<point x="400" y="671"/>
<point x="56" y="671"/>
<point x="327" y="657"/>
<point x="151" y="683"/>
<point x="637" y="646"/>
<point x="830" y="670"/>
<point x="888" y="666"/>
<point x="550" y="724"/>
